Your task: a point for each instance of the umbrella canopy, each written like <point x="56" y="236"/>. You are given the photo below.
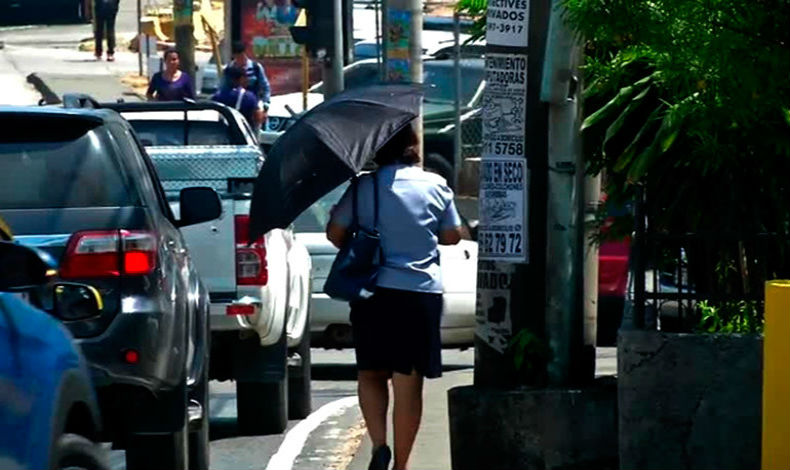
<point x="325" y="147"/>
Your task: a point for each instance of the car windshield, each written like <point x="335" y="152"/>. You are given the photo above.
<point x="438" y="75"/>
<point x="158" y="132"/>
<point x="366" y="50"/>
<point x="79" y="171"/>
<point x="315" y="218"/>
<point x="440" y="78"/>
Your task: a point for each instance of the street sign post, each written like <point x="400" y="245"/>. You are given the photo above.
<point x="402" y="20"/>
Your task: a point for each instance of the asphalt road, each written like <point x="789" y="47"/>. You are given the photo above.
<point x="334" y="378"/>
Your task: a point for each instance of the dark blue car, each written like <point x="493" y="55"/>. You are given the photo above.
<point x="48" y="411"/>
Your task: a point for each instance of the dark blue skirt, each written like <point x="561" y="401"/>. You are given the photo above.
<point x="398" y="331"/>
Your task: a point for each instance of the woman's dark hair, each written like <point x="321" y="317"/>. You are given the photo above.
<point x="170" y="50"/>
<point x="401" y="148"/>
<point x="238" y="47"/>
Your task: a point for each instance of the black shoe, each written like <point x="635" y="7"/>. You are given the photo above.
<point x="381" y="458"/>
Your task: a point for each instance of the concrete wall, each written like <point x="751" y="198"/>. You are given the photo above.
<point x="534" y="429"/>
<point x="689" y="401"/>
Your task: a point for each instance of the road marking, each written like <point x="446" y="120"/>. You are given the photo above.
<point x="295" y="439"/>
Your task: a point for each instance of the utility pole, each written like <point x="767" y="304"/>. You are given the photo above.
<point x="139" y="40"/>
<point x="402" y="21"/>
<point x="531" y="189"/>
<point x="457" y="137"/>
<point x="333" y="62"/>
<point x="511" y="278"/>
<point x="185" y="35"/>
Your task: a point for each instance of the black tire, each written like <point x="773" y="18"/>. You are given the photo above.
<point x="166" y="450"/>
<point x="262" y="408"/>
<point x="300" y="400"/>
<point x="75" y="451"/>
<point x="199" y="447"/>
<point x="436" y="163"/>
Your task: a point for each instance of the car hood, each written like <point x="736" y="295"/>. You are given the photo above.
<point x="316" y="243"/>
<point x="277" y="106"/>
<point x="278" y="103"/>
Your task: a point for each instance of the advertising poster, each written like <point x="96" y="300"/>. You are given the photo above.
<point x="502" y="233"/>
<point x="504" y="105"/>
<point x="507" y="22"/>
<point x="264" y="28"/>
<point x="398" y="32"/>
<point x="493" y="324"/>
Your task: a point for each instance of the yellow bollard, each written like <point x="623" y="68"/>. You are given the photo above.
<point x="776" y="377"/>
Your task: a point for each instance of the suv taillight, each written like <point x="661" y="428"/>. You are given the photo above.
<point x="109" y="253"/>
<point x="251" y="268"/>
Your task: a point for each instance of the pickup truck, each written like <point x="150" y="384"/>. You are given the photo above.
<point x="259" y="289"/>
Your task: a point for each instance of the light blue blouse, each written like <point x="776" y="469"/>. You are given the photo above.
<point x="414" y="206"/>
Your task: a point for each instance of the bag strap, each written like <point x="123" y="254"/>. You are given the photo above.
<point x="239" y="98"/>
<point x="354" y="217"/>
<point x="375" y="200"/>
<point x="355" y="197"/>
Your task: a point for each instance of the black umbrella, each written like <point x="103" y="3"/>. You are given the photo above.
<point x="325" y="147"/>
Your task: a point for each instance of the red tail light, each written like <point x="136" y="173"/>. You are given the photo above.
<point x="109" y="254"/>
<point x="251" y="269"/>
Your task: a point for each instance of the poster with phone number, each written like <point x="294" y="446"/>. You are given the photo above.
<point x="503" y="227"/>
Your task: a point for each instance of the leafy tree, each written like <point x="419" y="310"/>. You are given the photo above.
<point x="690" y="99"/>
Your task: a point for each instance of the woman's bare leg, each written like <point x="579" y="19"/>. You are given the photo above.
<point x="407" y="414"/>
<point x="374" y="394"/>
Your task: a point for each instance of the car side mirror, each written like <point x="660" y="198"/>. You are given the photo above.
<point x="20" y="268"/>
<point x="198" y="205"/>
<point x="76" y="301"/>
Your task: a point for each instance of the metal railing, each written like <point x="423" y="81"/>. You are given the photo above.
<point x="671" y="274"/>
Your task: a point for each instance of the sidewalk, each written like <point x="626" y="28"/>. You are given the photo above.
<point x="14" y="90"/>
<point x="432" y="448"/>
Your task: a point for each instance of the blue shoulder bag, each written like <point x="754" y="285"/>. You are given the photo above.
<point x="354" y="271"/>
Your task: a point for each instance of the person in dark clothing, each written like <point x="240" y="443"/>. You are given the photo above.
<point x="234" y="95"/>
<point x="171" y="84"/>
<point x="104" y="13"/>
<point x="257" y="82"/>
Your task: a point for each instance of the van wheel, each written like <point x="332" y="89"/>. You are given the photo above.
<point x="261" y="407"/>
<point x="75" y="451"/>
<point x="299" y="377"/>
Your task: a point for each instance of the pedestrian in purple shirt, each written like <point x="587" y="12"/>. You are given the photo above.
<point x="171" y="84"/>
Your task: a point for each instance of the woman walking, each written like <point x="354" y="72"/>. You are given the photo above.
<point x="396" y="331"/>
<point x="171" y="84"/>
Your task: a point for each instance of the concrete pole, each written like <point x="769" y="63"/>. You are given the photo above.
<point x="379" y="45"/>
<point x="414" y="10"/>
<point x="333" y="67"/>
<point x="457" y="142"/>
<point x="592" y="197"/>
<point x="225" y="43"/>
<point x="512" y="282"/>
<point x="139" y="40"/>
<point x="385" y="8"/>
<point x="185" y="36"/>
